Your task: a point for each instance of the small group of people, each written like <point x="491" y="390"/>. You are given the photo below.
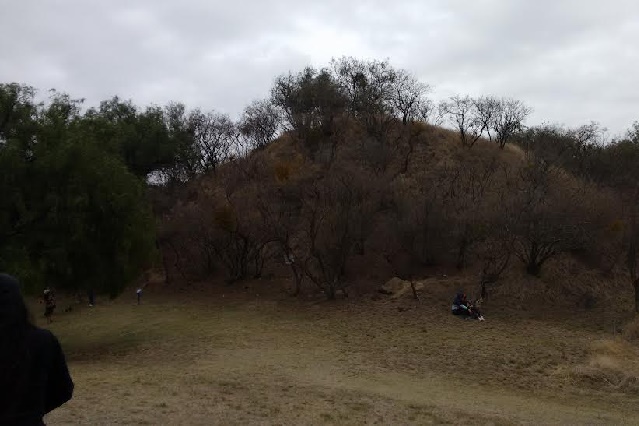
<point x="34" y="377"/>
<point x="462" y="307"/>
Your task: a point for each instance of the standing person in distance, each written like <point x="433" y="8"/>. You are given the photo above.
<point x="34" y="377"/>
<point x="91" y="296"/>
<point x="49" y="304"/>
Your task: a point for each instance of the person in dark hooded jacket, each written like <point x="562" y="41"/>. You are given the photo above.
<point x="462" y="307"/>
<point x="460" y="304"/>
<point x="34" y="378"/>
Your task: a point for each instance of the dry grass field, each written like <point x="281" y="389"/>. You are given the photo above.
<point x="248" y="359"/>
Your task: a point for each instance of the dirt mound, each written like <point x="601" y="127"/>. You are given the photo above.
<point x="435" y="291"/>
<point x="397" y="288"/>
<point x="613" y="364"/>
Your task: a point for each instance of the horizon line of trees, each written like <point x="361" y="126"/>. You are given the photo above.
<point x="91" y="198"/>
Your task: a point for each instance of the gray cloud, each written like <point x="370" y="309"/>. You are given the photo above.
<point x="573" y="62"/>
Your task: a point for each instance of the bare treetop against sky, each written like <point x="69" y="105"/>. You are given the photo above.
<point x="572" y="61"/>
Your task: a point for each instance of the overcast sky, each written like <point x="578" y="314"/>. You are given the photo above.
<point x="573" y="61"/>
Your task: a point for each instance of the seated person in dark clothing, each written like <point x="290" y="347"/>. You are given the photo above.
<point x="461" y="306"/>
<point x="34" y="378"/>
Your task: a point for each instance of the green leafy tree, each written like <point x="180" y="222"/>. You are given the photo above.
<point x="72" y="214"/>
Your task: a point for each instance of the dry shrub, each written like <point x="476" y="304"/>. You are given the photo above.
<point x="287" y="168"/>
<point x="337" y="214"/>
<point x="612" y="365"/>
<point x="282" y="171"/>
<point x="225" y="218"/>
<point x="565" y="284"/>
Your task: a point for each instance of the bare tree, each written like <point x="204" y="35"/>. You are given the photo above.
<point x="331" y="216"/>
<point x="419" y="218"/>
<point x="508" y="119"/>
<point x="548" y="215"/>
<point x="495" y="254"/>
<point x="281" y="211"/>
<point x="488" y="109"/>
<point x="175" y="242"/>
<point x="412" y="135"/>
<point x="408" y="97"/>
<point x="429" y="113"/>
<point x="468" y="202"/>
<point x="463" y="114"/>
<point x="591" y="133"/>
<point x="239" y="240"/>
<point x="536" y="240"/>
<point x="215" y="136"/>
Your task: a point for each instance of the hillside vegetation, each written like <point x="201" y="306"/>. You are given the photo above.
<point x="342" y="174"/>
<point x="356" y="191"/>
<point x="344" y="180"/>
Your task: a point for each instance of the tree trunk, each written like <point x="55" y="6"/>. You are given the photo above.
<point x="166" y="267"/>
<point x="411" y="141"/>
<point x="330" y="292"/>
<point x="407" y="157"/>
<point x="636" y="286"/>
<point x="533" y="268"/>
<point x="177" y="261"/>
<point x="461" y="254"/>
<point x="298" y="284"/>
<point x="298" y="276"/>
<point x="534" y="265"/>
<point x="259" y="264"/>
